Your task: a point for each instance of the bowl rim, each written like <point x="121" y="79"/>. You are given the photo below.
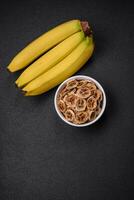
<point x="80" y="77"/>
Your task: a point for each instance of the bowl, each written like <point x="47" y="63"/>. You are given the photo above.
<point x="79" y="77"/>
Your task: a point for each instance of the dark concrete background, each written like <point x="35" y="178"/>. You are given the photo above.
<point x="40" y="156"/>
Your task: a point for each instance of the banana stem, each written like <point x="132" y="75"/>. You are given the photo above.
<point x="86" y="28"/>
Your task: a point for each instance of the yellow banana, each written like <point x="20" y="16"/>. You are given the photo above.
<point x="68" y="66"/>
<point x="43" y="43"/>
<point x="50" y="59"/>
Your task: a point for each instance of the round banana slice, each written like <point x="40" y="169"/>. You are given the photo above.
<point x="99" y="102"/>
<point x="91" y="103"/>
<point x="97" y="94"/>
<point x="81" y="117"/>
<point x="80" y="104"/>
<point x="69" y="115"/>
<point x="100" y="96"/>
<point x="92" y="115"/>
<point x="73" y="91"/>
<point x="91" y="86"/>
<point x="70" y="100"/>
<point x="62" y="106"/>
<point x="83" y="92"/>
<point x="72" y="84"/>
<point x="63" y="92"/>
<point x="98" y="110"/>
<point x="81" y="83"/>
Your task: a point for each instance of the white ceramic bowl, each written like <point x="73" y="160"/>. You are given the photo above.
<point x="86" y="78"/>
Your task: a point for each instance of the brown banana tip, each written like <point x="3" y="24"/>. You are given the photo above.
<point x="8" y="70"/>
<point x="16" y="83"/>
<point x="16" y="86"/>
<point x="86" y="28"/>
<point x="24" y="92"/>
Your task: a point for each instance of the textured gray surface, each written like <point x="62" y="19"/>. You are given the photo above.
<point x="40" y="156"/>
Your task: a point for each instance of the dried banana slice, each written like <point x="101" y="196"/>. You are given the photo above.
<point x="100" y="103"/>
<point x="83" y="92"/>
<point x="92" y="115"/>
<point x="81" y="83"/>
<point x="70" y="100"/>
<point x="72" y="84"/>
<point x="97" y="94"/>
<point x="91" y="103"/>
<point x="100" y="96"/>
<point x="73" y="91"/>
<point x="63" y="92"/>
<point x="98" y="110"/>
<point x="81" y="117"/>
<point x="80" y="104"/>
<point x="91" y="86"/>
<point x="62" y="106"/>
<point x="69" y="115"/>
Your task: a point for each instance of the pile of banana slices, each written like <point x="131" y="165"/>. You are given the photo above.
<point x="80" y="101"/>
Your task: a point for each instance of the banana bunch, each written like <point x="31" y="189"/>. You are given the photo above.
<point x="70" y="45"/>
